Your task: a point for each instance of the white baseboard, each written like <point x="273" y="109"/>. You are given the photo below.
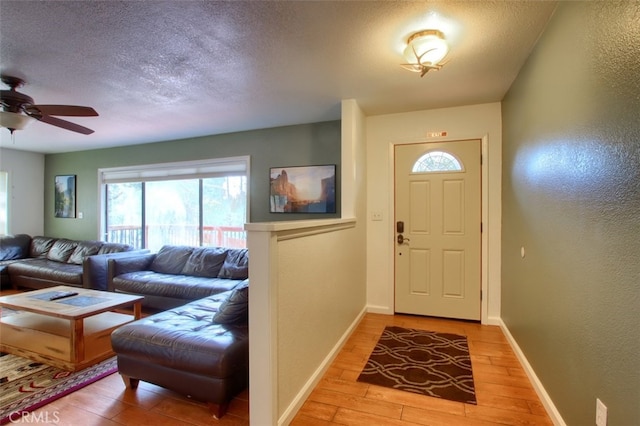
<point x="494" y="321"/>
<point x="386" y="310"/>
<point x="306" y="390"/>
<point x="552" y="411"/>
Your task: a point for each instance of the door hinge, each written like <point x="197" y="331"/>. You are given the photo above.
<point x="481" y="159"/>
<point x="481" y="295"/>
<point x="481" y="228"/>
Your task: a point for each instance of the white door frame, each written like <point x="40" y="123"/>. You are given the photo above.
<point x="484" y="274"/>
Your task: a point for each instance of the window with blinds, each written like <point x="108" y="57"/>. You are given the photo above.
<point x="197" y="203"/>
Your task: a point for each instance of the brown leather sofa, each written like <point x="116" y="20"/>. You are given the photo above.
<point x="40" y="262"/>
<point x="176" y="275"/>
<point x="200" y="349"/>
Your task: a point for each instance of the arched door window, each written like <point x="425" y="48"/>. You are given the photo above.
<point x="437" y="161"/>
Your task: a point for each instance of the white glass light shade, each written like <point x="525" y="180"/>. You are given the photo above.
<point x="426" y="48"/>
<point x="13" y="120"/>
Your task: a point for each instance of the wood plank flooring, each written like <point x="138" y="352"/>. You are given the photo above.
<point x="504" y="394"/>
<point x="503" y="391"/>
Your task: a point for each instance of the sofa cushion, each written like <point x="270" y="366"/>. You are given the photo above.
<point x="171" y="259"/>
<point x="40" y="246"/>
<point x="61" y="250"/>
<point x="184" y="287"/>
<point x="108" y="248"/>
<point x="84" y="249"/>
<point x="205" y="262"/>
<point x="14" y="246"/>
<point x="235" y="309"/>
<point x="50" y="270"/>
<point x="236" y="265"/>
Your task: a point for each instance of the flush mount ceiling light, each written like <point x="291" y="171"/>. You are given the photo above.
<point x="425" y="51"/>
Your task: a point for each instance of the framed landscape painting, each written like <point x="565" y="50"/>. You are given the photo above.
<point x="303" y="189"/>
<point x="65" y="196"/>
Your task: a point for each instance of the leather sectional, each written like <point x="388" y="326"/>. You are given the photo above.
<point x="40" y="262"/>
<point x="176" y="275"/>
<point x="198" y="344"/>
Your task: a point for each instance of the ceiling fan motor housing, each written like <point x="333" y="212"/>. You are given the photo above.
<point x="13" y="101"/>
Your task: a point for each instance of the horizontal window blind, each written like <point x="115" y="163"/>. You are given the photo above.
<point x="176" y="171"/>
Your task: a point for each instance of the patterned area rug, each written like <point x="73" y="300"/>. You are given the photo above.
<point x="425" y="362"/>
<point x="26" y="385"/>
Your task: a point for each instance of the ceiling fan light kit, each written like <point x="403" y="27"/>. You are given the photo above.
<point x="425" y="51"/>
<point x="14" y="121"/>
<point x="18" y="110"/>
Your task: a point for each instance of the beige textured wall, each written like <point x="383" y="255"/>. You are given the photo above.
<point x="571" y="198"/>
<point x="321" y="292"/>
<point x="26" y="185"/>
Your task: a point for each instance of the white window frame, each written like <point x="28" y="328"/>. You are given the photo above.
<point x="198" y="169"/>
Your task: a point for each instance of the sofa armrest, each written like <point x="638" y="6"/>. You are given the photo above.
<point x="123" y="265"/>
<point x="95" y="268"/>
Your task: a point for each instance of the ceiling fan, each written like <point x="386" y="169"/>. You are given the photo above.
<point x="18" y="108"/>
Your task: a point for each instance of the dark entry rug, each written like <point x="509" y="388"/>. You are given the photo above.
<point x="425" y="362"/>
<point x="26" y="385"/>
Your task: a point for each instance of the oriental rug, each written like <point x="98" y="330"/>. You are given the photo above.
<point x="424" y="362"/>
<point x="26" y="385"/>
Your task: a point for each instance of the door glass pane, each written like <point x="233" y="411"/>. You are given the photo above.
<point x="172" y="213"/>
<point x="224" y="211"/>
<point x="437" y="161"/>
<point x="124" y="214"/>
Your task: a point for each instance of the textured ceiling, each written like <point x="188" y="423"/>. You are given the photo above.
<point x="174" y="69"/>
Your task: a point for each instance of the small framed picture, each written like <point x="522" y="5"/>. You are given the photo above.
<point x="303" y="189"/>
<point x="65" y="196"/>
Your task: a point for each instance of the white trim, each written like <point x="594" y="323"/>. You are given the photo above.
<point x="263" y="328"/>
<point x="484" y="235"/>
<point x="290" y="412"/>
<point x="301" y="227"/>
<point x="377" y="309"/>
<point x="552" y="411"/>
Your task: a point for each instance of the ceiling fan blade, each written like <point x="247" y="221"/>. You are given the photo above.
<point x="64" y="124"/>
<point x="65" y="110"/>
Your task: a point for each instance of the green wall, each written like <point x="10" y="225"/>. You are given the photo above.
<point x="571" y="198"/>
<point x="307" y="144"/>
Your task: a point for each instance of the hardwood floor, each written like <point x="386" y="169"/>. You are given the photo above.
<point x="503" y="391"/>
<point x="504" y="394"/>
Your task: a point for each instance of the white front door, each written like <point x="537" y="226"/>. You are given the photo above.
<point x="438" y="229"/>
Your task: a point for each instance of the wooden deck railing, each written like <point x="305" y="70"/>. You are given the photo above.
<point x="219" y="236"/>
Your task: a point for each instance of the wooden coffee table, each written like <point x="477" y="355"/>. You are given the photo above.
<point x="70" y="333"/>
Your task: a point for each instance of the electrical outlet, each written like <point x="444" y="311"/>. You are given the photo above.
<point x="601" y="413"/>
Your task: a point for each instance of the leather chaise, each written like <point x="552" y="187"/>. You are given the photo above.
<point x="200" y="349"/>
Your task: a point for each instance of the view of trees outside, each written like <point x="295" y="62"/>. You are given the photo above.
<point x="172" y="212"/>
<point x="124" y="213"/>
